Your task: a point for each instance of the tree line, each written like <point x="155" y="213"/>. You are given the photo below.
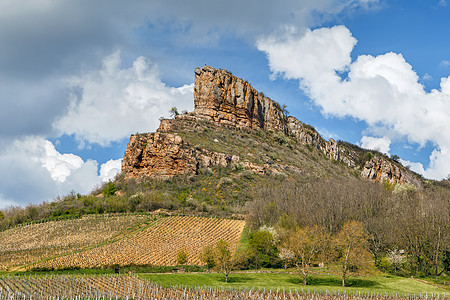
<point x="406" y="230"/>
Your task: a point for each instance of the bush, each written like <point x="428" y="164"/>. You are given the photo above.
<point x="263" y="250"/>
<point x="110" y="189"/>
<point x="182" y="257"/>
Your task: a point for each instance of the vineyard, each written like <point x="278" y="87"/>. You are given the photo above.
<point x="157" y="244"/>
<point x="23" y="245"/>
<point x="133" y="287"/>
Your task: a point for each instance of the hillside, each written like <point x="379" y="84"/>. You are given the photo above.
<point x="157" y="244"/>
<point x="99" y="241"/>
<point x="25" y="245"/>
<point x="214" y="160"/>
<point x="234" y="125"/>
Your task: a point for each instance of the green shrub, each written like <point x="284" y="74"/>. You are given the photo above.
<point x="110" y="189"/>
<point x="182" y="258"/>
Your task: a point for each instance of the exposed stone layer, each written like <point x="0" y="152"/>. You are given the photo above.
<point x="165" y="155"/>
<point x="223" y="98"/>
<point x="157" y="154"/>
<point x="382" y="170"/>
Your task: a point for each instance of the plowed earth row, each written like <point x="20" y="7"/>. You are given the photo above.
<point x="99" y="241"/>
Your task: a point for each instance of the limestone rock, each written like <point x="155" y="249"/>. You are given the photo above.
<point x="305" y="134"/>
<point x="223" y="98"/>
<point x="157" y="154"/>
<point x="380" y="169"/>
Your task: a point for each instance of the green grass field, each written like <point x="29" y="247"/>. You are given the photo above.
<point x="377" y="284"/>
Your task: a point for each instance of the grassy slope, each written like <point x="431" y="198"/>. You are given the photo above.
<point x="378" y="284"/>
<point x="259" y="147"/>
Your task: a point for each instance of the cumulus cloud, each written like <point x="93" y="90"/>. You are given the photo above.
<point x="53" y="82"/>
<point x="110" y="169"/>
<point x="84" y="29"/>
<point x="326" y="134"/>
<point x="373" y="143"/>
<point x="59" y="165"/>
<point x="32" y="171"/>
<point x="382" y="90"/>
<point x="427" y="77"/>
<point x="44" y="41"/>
<point x="444" y="63"/>
<point x="110" y="103"/>
<point x="413" y="166"/>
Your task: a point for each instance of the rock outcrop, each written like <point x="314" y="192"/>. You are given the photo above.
<point x="225" y="100"/>
<point x="164" y="155"/>
<point x="380" y="169"/>
<point x="157" y="154"/>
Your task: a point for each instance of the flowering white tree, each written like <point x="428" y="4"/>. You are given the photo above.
<point x="396" y="258"/>
<point x="286" y="255"/>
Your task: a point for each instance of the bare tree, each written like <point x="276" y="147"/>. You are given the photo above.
<point x="223" y="257"/>
<point x="350" y="244"/>
<point x="286" y="256"/>
<point x="306" y="244"/>
<point x="396" y="258"/>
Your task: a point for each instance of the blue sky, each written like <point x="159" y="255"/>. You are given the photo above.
<point x="78" y="77"/>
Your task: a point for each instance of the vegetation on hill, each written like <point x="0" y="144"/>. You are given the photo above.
<point x="101" y="241"/>
<point x="407" y="230"/>
<point x="160" y="243"/>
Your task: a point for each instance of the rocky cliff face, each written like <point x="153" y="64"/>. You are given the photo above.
<point x="226" y="99"/>
<point x="380" y="170"/>
<point x="223" y="99"/>
<point x="157" y="154"/>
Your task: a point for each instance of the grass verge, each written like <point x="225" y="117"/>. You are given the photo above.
<point x="318" y="283"/>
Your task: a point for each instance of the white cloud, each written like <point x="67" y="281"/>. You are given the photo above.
<point x="445" y="64"/>
<point x="373" y="143"/>
<point x="32" y="171"/>
<point x="59" y="165"/>
<point x="427" y="77"/>
<point x="308" y="52"/>
<point x="81" y="30"/>
<point x="44" y="42"/>
<point x="413" y="166"/>
<point x="382" y="90"/>
<point x="110" y="169"/>
<point x="327" y="134"/>
<point x="118" y="101"/>
<point x="443" y="3"/>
